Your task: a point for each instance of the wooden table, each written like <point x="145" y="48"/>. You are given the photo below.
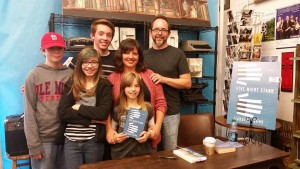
<point x="222" y="121"/>
<point x="248" y="157"/>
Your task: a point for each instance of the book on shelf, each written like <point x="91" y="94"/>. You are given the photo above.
<point x="189" y="155"/>
<point x="194" y="9"/>
<point x="135" y="122"/>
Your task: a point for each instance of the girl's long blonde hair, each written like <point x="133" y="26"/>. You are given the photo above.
<point x="78" y="76"/>
<point x="126" y="81"/>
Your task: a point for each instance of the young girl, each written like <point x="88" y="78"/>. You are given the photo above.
<point x="131" y="96"/>
<point x="86" y="100"/>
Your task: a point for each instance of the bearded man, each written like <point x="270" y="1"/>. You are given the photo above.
<point x="172" y="71"/>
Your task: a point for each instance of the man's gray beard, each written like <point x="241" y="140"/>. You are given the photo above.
<point x="160" y="43"/>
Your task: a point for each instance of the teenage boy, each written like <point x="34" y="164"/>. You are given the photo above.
<point x="173" y="75"/>
<point x="43" y="89"/>
<point x="102" y="32"/>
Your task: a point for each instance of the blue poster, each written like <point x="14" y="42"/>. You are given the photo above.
<point x="254" y="94"/>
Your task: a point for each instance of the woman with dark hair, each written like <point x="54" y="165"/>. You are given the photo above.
<point x="129" y="58"/>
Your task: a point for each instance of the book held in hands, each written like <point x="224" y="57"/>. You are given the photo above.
<point x="135" y="122"/>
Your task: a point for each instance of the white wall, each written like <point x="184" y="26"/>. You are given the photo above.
<point x="285" y="106"/>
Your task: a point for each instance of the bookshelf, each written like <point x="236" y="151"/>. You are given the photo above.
<point x="189" y="28"/>
<point x="187" y="12"/>
<point x="296" y="116"/>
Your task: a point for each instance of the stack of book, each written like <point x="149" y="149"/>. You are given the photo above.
<point x="189" y="155"/>
<point x="226" y="147"/>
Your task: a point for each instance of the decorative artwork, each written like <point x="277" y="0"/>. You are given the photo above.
<point x="195" y="66"/>
<point x="287" y="72"/>
<point x="287" y="26"/>
<point x="268" y="27"/>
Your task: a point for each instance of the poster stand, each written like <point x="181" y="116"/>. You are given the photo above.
<point x="253" y="137"/>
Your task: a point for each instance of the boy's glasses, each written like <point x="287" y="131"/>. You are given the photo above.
<point x="93" y="63"/>
<point x="163" y="31"/>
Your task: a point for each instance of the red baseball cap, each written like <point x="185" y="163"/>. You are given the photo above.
<point x="52" y="39"/>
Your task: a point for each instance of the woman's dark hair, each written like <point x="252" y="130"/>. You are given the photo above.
<point x="125" y="46"/>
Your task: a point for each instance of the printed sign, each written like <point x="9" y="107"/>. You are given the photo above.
<point x="254" y="93"/>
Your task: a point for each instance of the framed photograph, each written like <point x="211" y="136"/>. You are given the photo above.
<point x="287" y="26"/>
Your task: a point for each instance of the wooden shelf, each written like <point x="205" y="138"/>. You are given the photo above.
<point x="297" y="134"/>
<point x="117" y="15"/>
<point x="295" y="58"/>
<point x="296" y="100"/>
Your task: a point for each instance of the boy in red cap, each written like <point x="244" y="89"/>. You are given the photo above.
<point x="43" y="88"/>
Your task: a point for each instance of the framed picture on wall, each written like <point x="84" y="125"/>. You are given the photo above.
<point x="287" y="72"/>
<point x="287" y="26"/>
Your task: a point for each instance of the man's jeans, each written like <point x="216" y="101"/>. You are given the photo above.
<point x="53" y="158"/>
<point x="169" y="131"/>
<point x="86" y="152"/>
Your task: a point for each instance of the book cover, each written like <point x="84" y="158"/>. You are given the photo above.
<point x="135" y="122"/>
<point x="189" y="155"/>
<point x="254" y="94"/>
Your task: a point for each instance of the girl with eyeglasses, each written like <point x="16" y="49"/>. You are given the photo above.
<point x="84" y="106"/>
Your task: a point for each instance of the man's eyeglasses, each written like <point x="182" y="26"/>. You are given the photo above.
<point x="156" y="30"/>
<point x="93" y="63"/>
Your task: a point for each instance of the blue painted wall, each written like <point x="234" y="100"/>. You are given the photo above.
<point x="22" y="25"/>
<point x="208" y="61"/>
